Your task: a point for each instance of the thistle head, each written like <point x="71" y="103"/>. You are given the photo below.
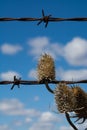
<point x="46" y="68"/>
<point x="64" y="98"/>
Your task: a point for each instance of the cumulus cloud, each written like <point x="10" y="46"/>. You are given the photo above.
<point x="82" y="126"/>
<point x="32" y="74"/>
<point x="72" y="74"/>
<point x="18" y="123"/>
<point x="9" y="75"/>
<point x="15" y="108"/>
<point x="48" y="117"/>
<point x="10" y="49"/>
<point x="75" y="51"/>
<point x="46" y="121"/>
<point x="65" y="128"/>
<point x="37" y="45"/>
<point x="42" y="126"/>
<point x="40" y="45"/>
<point x="4" y="127"/>
<point x="21" y="123"/>
<point x="79" y="126"/>
<point x="37" y="120"/>
<point x="28" y="120"/>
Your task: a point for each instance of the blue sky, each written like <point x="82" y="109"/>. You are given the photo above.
<point x="21" y="44"/>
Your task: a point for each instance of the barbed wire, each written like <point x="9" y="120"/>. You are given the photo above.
<point x="18" y="81"/>
<point x="45" y="18"/>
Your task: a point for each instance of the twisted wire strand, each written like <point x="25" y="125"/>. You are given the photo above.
<point x="19" y="19"/>
<point x="67" y="19"/>
<point x="45" y="19"/>
<point x="19" y="82"/>
<point x="28" y="82"/>
<point x="51" y="19"/>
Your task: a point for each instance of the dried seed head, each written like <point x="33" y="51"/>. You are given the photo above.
<point x="80" y="95"/>
<point x="46" y="68"/>
<point x="64" y="98"/>
<point x="71" y="99"/>
<point x="81" y="102"/>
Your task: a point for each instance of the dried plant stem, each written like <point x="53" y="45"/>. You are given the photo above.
<point x="69" y="121"/>
<point x="48" y="88"/>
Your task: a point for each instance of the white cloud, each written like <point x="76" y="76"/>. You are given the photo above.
<point x="18" y="123"/>
<point x="32" y="74"/>
<point x="48" y="117"/>
<point x="46" y="121"/>
<point x="75" y="51"/>
<point x="21" y="122"/>
<point x="37" y="120"/>
<point x="79" y="126"/>
<point x="28" y="120"/>
<point x="15" y="108"/>
<point x="4" y="127"/>
<point x="82" y="126"/>
<point x="10" y="49"/>
<point x="9" y="104"/>
<point x="42" y="126"/>
<point x="72" y="74"/>
<point x="9" y="75"/>
<point x="40" y="45"/>
<point x="65" y="128"/>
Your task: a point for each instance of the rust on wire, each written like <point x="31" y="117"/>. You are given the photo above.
<point x="45" y="19"/>
<point x="19" y="19"/>
<point x="36" y="82"/>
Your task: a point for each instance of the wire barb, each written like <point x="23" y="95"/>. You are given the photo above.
<point x="44" y="19"/>
<point x="16" y="82"/>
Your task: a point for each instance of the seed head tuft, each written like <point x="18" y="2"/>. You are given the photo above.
<point x="46" y="68"/>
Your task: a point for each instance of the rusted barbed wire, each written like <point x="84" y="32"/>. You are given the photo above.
<point x="17" y="81"/>
<point x="32" y="82"/>
<point x="45" y="18"/>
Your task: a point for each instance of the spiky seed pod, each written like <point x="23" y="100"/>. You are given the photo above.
<point x="81" y="102"/>
<point x="46" y="68"/>
<point x="64" y="98"/>
<point x="80" y="95"/>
